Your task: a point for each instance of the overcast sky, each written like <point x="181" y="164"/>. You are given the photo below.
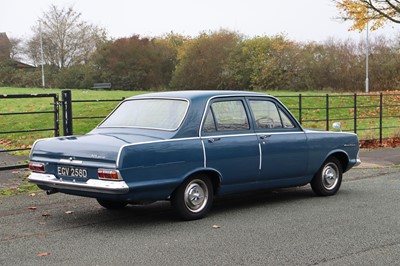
<point x="301" y="20"/>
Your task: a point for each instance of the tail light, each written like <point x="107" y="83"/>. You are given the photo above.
<point x="36" y="167"/>
<point x="110" y="174"/>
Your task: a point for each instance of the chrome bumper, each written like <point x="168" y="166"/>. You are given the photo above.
<point x="358" y="162"/>
<point x="91" y="185"/>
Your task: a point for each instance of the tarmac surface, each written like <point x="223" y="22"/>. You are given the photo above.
<point x="370" y="158"/>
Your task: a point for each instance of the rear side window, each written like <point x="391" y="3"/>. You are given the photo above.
<point x="226" y="116"/>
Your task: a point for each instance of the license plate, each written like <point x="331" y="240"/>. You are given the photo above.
<point x="70" y="171"/>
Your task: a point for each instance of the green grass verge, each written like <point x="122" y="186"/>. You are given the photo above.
<point x="19" y="190"/>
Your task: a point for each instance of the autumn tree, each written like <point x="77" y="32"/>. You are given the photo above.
<point x="67" y="39"/>
<point x="202" y="61"/>
<point x="136" y="63"/>
<point x="363" y="11"/>
<point x="266" y="63"/>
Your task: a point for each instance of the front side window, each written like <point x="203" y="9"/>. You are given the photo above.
<point x="268" y="116"/>
<point x="164" y="114"/>
<point x="226" y="116"/>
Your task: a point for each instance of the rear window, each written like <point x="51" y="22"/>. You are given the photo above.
<point x="163" y="114"/>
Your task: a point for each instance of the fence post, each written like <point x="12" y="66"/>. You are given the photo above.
<point x="56" y="116"/>
<point x="380" y="116"/>
<point x="67" y="112"/>
<point x="327" y="112"/>
<point x="300" y="109"/>
<point x="355" y="113"/>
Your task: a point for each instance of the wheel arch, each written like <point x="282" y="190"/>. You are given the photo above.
<point x="342" y="157"/>
<point x="214" y="175"/>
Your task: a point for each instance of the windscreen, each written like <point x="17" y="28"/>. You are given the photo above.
<point x="164" y="114"/>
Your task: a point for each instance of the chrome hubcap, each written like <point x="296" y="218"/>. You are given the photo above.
<point x="330" y="176"/>
<point x="196" y="195"/>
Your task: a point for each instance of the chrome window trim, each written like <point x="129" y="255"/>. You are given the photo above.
<point x="222" y="96"/>
<point x="149" y="98"/>
<point x="244" y="97"/>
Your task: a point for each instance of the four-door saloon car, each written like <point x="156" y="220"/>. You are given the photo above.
<point x="189" y="147"/>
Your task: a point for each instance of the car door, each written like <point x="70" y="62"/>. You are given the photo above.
<point x="282" y="142"/>
<point x="231" y="146"/>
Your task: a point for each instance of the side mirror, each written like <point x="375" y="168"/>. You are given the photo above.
<point x="337" y="126"/>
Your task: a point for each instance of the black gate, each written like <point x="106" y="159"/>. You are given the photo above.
<point x="28" y="110"/>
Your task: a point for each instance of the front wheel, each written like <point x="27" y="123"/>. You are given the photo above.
<point x="193" y="199"/>
<point x="112" y="205"/>
<point x="328" y="179"/>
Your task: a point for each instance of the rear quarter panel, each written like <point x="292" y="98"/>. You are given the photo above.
<point x="323" y="144"/>
<point x="155" y="169"/>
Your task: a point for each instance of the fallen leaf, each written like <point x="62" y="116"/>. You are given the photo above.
<point x="42" y="223"/>
<point x="215" y="226"/>
<point x="69" y="212"/>
<point x="45" y="215"/>
<point x="32" y="194"/>
<point x="33" y="208"/>
<point x="43" y="254"/>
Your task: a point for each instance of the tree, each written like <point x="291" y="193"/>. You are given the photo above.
<point x="16" y="48"/>
<point x="202" y="61"/>
<point x="266" y="63"/>
<point x="362" y="11"/>
<point x="136" y="63"/>
<point x="67" y="39"/>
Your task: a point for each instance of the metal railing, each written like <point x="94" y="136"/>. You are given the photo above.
<point x="359" y="113"/>
<point x="55" y="128"/>
<point x="380" y="111"/>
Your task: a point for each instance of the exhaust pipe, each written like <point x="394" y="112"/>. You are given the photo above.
<point x="51" y="191"/>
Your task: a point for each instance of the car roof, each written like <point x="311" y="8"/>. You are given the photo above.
<point x="192" y="95"/>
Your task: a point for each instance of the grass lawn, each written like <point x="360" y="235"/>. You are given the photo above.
<point x="313" y="108"/>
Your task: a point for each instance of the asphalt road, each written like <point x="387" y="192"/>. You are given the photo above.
<point x="358" y="226"/>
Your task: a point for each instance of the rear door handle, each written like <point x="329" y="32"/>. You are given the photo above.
<point x="212" y="140"/>
<point x="265" y="136"/>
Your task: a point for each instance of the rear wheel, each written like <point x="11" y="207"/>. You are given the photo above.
<point x="328" y="179"/>
<point x="112" y="205"/>
<point x="193" y="199"/>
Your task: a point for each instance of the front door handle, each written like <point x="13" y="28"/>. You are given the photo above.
<point x="212" y="140"/>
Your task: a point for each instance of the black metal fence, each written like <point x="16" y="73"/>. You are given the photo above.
<point x="54" y="101"/>
<point x="378" y="114"/>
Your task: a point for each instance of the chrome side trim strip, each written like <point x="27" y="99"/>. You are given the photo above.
<point x="202" y="138"/>
<point x="279" y="133"/>
<point x="91" y="185"/>
<point x="260" y="164"/>
<point x="228" y="136"/>
<point x="204" y="154"/>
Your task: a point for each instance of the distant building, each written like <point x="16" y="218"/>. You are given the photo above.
<point x="5" y="47"/>
<point x="5" y="52"/>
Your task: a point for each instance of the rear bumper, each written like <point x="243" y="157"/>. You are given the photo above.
<point x="91" y="185"/>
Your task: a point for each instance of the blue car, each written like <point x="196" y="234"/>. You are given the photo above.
<point x="189" y="147"/>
